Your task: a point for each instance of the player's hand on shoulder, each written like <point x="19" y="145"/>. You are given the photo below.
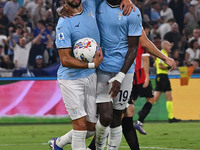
<point x="65" y="10"/>
<point x="128" y="7"/>
<point x="98" y="57"/>
<point x="171" y="63"/>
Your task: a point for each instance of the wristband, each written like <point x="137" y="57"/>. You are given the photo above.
<point x="91" y="65"/>
<point x="119" y="77"/>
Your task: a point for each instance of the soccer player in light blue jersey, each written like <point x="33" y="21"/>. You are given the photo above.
<point x="155" y="53"/>
<point x="119" y="41"/>
<point x="77" y="79"/>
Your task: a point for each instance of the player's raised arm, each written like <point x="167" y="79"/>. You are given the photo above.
<point x="152" y="49"/>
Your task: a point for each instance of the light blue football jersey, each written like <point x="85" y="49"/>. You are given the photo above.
<point x="70" y="30"/>
<point x="114" y="30"/>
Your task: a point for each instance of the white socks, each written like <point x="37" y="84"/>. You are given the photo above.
<point x="114" y="138"/>
<point x="101" y="136"/>
<point x="67" y="138"/>
<point x="78" y="140"/>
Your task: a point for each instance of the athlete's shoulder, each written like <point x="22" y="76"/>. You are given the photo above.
<point x="91" y="3"/>
<point x="61" y="21"/>
<point x="135" y="14"/>
<point x="136" y="9"/>
<point x="62" y="24"/>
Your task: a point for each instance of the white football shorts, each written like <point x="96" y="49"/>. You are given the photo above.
<point x="79" y="97"/>
<point x="120" y="101"/>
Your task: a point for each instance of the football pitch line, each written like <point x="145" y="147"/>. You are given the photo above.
<point x="121" y="147"/>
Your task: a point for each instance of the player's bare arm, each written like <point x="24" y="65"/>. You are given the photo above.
<point x="152" y="49"/>
<point x="133" y="42"/>
<point x="129" y="59"/>
<point x="68" y="61"/>
<point x="145" y="60"/>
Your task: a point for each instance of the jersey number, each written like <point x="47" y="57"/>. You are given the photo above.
<point x="123" y="95"/>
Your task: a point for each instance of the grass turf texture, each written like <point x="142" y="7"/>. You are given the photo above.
<point x="38" y="120"/>
<point x="160" y="135"/>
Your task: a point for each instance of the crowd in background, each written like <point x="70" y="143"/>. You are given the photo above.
<point x="27" y="30"/>
<point x="27" y="33"/>
<point x="178" y="22"/>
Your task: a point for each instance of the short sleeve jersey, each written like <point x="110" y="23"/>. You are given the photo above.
<point x="114" y="30"/>
<point x="70" y="30"/>
<point x="139" y="68"/>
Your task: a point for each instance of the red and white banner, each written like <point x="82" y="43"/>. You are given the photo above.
<point x="31" y="98"/>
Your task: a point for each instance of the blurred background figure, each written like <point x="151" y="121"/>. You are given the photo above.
<point x="7" y="63"/>
<point x="155" y="12"/>
<point x="177" y="59"/>
<point x="177" y="7"/>
<point x="174" y="37"/>
<point x="165" y="27"/>
<point x="192" y="55"/>
<point x="191" y="18"/>
<point x="3" y="21"/>
<point x="39" y="62"/>
<point x="195" y="35"/>
<point x="166" y="13"/>
<point x="10" y="9"/>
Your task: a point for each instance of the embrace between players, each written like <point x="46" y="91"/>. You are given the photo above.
<point x="86" y="89"/>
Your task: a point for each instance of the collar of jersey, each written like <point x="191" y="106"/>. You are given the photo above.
<point x="113" y="6"/>
<point x="79" y="13"/>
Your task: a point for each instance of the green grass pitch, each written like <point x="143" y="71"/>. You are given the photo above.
<point x="160" y="135"/>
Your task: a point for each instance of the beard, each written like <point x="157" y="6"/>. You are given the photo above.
<point x="74" y="5"/>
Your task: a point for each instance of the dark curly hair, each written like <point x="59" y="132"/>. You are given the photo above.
<point x="191" y="44"/>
